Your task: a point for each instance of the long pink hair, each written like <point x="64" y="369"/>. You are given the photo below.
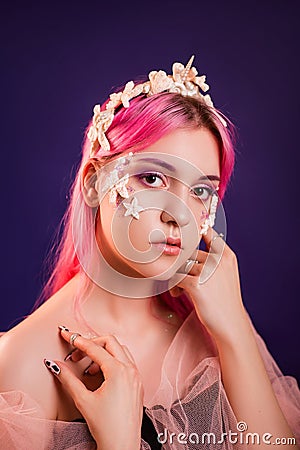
<point x="135" y="128"/>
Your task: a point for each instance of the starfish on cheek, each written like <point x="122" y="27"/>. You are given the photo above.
<point x="133" y="209"/>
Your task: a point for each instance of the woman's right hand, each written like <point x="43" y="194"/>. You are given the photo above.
<point x="114" y="411"/>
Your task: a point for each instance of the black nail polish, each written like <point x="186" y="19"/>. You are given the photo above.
<point x="52" y="366"/>
<point x="69" y="355"/>
<point x="63" y="328"/>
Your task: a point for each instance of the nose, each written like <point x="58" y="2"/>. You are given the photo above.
<point x="180" y="218"/>
<point x="177" y="211"/>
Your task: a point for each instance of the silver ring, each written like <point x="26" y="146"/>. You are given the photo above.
<point x="188" y="265"/>
<point x="220" y="235"/>
<point x="73" y="337"/>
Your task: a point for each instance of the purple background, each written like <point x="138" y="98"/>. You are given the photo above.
<point x="59" y="60"/>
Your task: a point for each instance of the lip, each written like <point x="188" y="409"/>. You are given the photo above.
<point x="173" y="241"/>
<point x="172" y="246"/>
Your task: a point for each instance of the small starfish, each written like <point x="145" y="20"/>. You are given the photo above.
<point x="133" y="209"/>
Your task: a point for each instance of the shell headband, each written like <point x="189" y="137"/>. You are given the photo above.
<point x="184" y="81"/>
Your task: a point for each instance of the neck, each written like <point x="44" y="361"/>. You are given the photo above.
<point x="110" y="312"/>
<point x="121" y="308"/>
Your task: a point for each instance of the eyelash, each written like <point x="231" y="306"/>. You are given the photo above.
<point x="151" y="174"/>
<point x="209" y="190"/>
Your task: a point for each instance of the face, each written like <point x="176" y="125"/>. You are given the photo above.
<point x="156" y="229"/>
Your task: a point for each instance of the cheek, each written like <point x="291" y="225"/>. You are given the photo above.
<point x="106" y="214"/>
<point x="200" y="210"/>
<point x="140" y="230"/>
<point x="137" y="231"/>
<point x="203" y="215"/>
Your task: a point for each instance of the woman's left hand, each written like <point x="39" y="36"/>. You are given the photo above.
<point x="113" y="411"/>
<point x="213" y="285"/>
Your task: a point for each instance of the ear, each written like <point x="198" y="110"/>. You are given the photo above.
<point x="89" y="178"/>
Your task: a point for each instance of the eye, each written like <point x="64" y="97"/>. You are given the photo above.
<point x="203" y="192"/>
<point x="152" y="179"/>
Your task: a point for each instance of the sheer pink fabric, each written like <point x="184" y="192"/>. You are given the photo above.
<point x="190" y="399"/>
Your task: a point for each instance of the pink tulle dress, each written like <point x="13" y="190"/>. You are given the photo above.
<point x="189" y="410"/>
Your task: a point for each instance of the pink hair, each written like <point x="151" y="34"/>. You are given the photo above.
<point x="135" y="128"/>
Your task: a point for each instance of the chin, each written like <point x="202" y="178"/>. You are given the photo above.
<point x="159" y="271"/>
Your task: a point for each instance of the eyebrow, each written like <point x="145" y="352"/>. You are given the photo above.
<point x="210" y="177"/>
<point x="171" y="168"/>
<point x="159" y="162"/>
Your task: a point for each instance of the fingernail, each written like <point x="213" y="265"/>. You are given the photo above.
<point x="63" y="328"/>
<point x="86" y="372"/>
<point x="52" y="366"/>
<point x="69" y="355"/>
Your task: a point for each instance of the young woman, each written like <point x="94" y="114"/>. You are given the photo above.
<point x="144" y="341"/>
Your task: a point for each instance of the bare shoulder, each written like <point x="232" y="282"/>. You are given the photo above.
<point x="22" y="368"/>
<point x="22" y="353"/>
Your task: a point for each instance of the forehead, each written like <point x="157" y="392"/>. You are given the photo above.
<point x="190" y="156"/>
<point x="198" y="148"/>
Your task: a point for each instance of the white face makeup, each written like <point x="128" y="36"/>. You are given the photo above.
<point x="153" y="205"/>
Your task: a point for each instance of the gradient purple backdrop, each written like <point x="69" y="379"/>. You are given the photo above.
<point x="59" y="60"/>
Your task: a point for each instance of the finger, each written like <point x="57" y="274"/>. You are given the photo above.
<point x="213" y="241"/>
<point x="109" y="344"/>
<point x="201" y="259"/>
<point x="175" y="291"/>
<point x="75" y="388"/>
<point x="95" y="351"/>
<point x="194" y="269"/>
<point x="198" y="256"/>
<point x="114" y="347"/>
<point x="185" y="283"/>
<point x="200" y="272"/>
<point x="208" y="237"/>
<point x="93" y="369"/>
<point x="75" y="355"/>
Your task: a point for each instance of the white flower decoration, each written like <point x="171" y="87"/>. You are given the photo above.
<point x="204" y="227"/>
<point x="119" y="188"/>
<point x="123" y="98"/>
<point x="208" y="100"/>
<point x="213" y="209"/>
<point x="210" y="221"/>
<point x="200" y="81"/>
<point x="115" y="182"/>
<point x="159" y="82"/>
<point x="123" y="161"/>
<point x="110" y="180"/>
<point x="184" y="80"/>
<point x="101" y="122"/>
<point x="133" y="209"/>
<point x="183" y="73"/>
